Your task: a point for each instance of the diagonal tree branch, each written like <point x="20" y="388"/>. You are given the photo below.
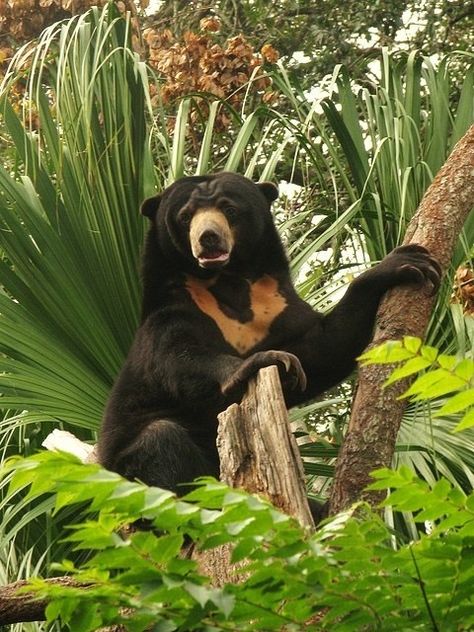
<point x="16" y="605"/>
<point x="377" y="413"/>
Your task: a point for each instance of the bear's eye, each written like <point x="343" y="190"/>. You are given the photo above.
<point x="185" y="218"/>
<point x="231" y="212"/>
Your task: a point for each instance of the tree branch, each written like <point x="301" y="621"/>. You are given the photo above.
<point x="377" y="413"/>
<point x="16" y="607"/>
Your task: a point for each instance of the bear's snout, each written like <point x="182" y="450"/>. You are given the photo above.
<point x="211" y="238"/>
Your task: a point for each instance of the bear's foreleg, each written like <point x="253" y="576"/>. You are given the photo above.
<point x="329" y="350"/>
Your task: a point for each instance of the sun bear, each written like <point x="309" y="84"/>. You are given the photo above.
<point x="218" y="305"/>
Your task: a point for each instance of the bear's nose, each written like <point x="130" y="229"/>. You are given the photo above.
<point x="209" y="239"/>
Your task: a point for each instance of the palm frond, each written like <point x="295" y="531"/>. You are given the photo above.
<point x="71" y="233"/>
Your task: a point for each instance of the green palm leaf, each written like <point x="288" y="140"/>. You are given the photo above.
<point x="70" y="229"/>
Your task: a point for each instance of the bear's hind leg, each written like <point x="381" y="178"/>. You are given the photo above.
<point x="164" y="455"/>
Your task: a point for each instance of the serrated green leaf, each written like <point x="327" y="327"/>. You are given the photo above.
<point x="442" y="551"/>
<point x="392" y="478"/>
<point x="412" y="344"/>
<point x="434" y="384"/>
<point x="155" y="498"/>
<point x="198" y="592"/>
<point x="466" y="422"/>
<point x="465" y="369"/>
<point x="387" y="353"/>
<point x="236" y="528"/>
<point x="86" y="618"/>
<point x="441" y="489"/>
<point x="208" y="516"/>
<point x="407" y="499"/>
<point x="409" y="368"/>
<point x="242" y="549"/>
<point x="92" y="536"/>
<point x="470" y="502"/>
<point x="454" y="520"/>
<point x="456" y="403"/>
<point x="435" y="510"/>
<point x="222" y="600"/>
<point x="447" y="385"/>
<point x="457" y="496"/>
<point x="53" y="610"/>
<point x="165" y="548"/>
<point x="425" y="381"/>
<point x="430" y="353"/>
<point x="447" y="362"/>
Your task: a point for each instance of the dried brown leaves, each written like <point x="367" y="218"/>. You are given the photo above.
<point x="464" y="289"/>
<point x="198" y="63"/>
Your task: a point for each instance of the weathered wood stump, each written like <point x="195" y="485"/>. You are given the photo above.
<point x="258" y="451"/>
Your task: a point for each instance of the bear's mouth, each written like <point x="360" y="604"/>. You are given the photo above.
<point x="213" y="258"/>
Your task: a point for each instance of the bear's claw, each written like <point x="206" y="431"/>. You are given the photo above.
<point x="293" y="377"/>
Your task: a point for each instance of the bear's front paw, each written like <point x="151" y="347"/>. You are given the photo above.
<point x="412" y="264"/>
<point x="291" y="373"/>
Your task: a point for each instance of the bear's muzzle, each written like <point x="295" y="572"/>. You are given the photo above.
<point x="211" y="238"/>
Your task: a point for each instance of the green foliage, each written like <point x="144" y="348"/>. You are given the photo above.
<point x="70" y="228"/>
<point x="70" y="232"/>
<point x="348" y="574"/>
<point x="378" y="145"/>
<point x="441" y="375"/>
<point x="366" y="154"/>
<point x="87" y="149"/>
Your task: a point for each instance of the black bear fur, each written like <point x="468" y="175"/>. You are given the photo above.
<point x="218" y="305"/>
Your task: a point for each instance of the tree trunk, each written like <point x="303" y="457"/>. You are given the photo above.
<point x="258" y="453"/>
<point x="376" y="412"/>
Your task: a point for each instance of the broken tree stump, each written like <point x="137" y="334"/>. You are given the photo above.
<point x="258" y="451"/>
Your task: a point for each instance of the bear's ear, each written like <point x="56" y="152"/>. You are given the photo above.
<point x="269" y="190"/>
<point x="150" y="206"/>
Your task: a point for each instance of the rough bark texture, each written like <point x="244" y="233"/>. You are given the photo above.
<point x="258" y="452"/>
<point x="216" y="564"/>
<point x="376" y="413"/>
<point x="21" y="607"/>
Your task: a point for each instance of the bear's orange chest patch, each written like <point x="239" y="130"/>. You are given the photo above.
<point x="266" y="303"/>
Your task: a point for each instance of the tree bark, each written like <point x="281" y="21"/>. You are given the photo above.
<point x="258" y="453"/>
<point x="258" y="450"/>
<point x="376" y="412"/>
<point x="19" y="607"/>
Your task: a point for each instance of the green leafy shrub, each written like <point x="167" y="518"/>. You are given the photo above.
<point x="442" y="375"/>
<point x="347" y="576"/>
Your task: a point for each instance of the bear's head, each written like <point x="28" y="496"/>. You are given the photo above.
<point x="213" y="220"/>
